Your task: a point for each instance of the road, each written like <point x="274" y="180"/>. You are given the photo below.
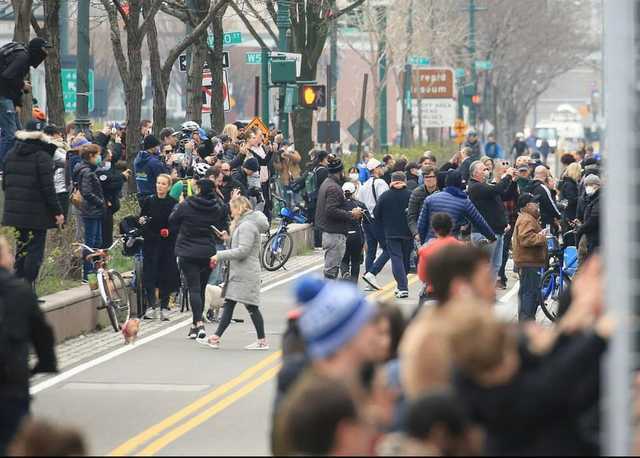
<point x="167" y="395"/>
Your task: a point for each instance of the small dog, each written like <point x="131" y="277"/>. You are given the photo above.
<point x="130" y="330"/>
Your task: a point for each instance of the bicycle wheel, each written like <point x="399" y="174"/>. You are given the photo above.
<point x="118" y="303"/>
<point x="277" y="251"/>
<point x="551" y="287"/>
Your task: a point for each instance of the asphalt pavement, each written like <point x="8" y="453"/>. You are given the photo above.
<point x="167" y="395"/>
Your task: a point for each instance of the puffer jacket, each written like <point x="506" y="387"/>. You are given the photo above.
<point x="416" y="200"/>
<point x="529" y="246"/>
<point x="192" y="220"/>
<point x="59" y="166"/>
<point x="244" y="259"/>
<point x="29" y="192"/>
<point x="93" y="203"/>
<point x="331" y="217"/>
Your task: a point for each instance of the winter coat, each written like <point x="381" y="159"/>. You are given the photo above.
<point x="73" y="159"/>
<point x="391" y="212"/>
<point x="548" y="209"/>
<point x="466" y="164"/>
<point x="111" y="181"/>
<point x="93" y="202"/>
<point x="456" y="203"/>
<point x="412" y="182"/>
<point x="331" y="217"/>
<point x="416" y="200"/>
<point x="488" y="200"/>
<point x="529" y="246"/>
<point x="569" y="192"/>
<point x="476" y="149"/>
<point x="29" y="192"/>
<point x="493" y="150"/>
<point x="59" y="166"/>
<point x="14" y="73"/>
<point x="192" y="219"/>
<point x="26" y="326"/>
<point x="591" y="223"/>
<point x="146" y="168"/>
<point x="243" y="283"/>
<point x="159" y="210"/>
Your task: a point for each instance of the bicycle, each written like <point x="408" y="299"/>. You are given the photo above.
<point x="131" y="230"/>
<point x="112" y="287"/>
<point x="277" y="250"/>
<point x="563" y="263"/>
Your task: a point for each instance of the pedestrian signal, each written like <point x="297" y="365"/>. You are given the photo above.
<point x="475" y="99"/>
<point x="313" y="96"/>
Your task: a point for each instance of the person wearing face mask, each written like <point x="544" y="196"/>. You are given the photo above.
<point x="529" y="255"/>
<point x="354" y="177"/>
<point x="147" y="166"/>
<point x="93" y="201"/>
<point x="111" y="179"/>
<point x="488" y="200"/>
<point x="591" y="219"/>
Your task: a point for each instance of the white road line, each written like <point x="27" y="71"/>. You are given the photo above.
<point x="122" y="350"/>
<point x="512" y="292"/>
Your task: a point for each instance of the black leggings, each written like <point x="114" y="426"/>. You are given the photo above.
<point x="196" y="272"/>
<point x="352" y="257"/>
<point x="227" y="314"/>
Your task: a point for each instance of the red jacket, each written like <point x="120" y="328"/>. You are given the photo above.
<point x="428" y="250"/>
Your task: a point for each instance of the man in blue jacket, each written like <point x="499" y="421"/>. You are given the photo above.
<point x="147" y="166"/>
<point x="454" y="201"/>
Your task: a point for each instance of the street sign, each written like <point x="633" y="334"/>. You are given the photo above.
<point x="182" y="62"/>
<point x="289" y="56"/>
<point x="253" y="58"/>
<point x="419" y="60"/>
<point x="459" y="73"/>
<point x="483" y="65"/>
<point x="229" y="38"/>
<point x="207" y="91"/>
<point x="367" y="130"/>
<point x="256" y="122"/>
<point x="435" y="112"/>
<point x="69" y="79"/>
<point x="433" y="83"/>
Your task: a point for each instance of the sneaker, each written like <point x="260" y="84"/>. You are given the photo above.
<point x="501" y="284"/>
<point x="215" y="344"/>
<point x="202" y="334"/>
<point x="258" y="345"/>
<point x="402" y="294"/>
<point x="149" y="314"/>
<point x="163" y="317"/>
<point x="370" y="279"/>
<point x="85" y="282"/>
<point x="193" y="333"/>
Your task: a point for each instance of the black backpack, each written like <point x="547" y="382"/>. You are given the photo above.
<point x="7" y="50"/>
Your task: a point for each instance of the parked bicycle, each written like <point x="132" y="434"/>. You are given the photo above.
<point x="563" y="263"/>
<point x="277" y="250"/>
<point x="114" y="292"/>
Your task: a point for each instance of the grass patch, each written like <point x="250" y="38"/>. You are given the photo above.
<point x="442" y="152"/>
<point x="49" y="285"/>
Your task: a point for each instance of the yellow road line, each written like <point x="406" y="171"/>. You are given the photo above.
<point x="137" y="441"/>
<point x="215" y="409"/>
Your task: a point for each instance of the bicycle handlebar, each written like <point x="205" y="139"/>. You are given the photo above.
<point x="98" y="250"/>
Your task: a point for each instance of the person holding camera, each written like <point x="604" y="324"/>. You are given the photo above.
<point x="147" y="166"/>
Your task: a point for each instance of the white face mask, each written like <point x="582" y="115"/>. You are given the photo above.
<point x="590" y="190"/>
<point x="353" y="176"/>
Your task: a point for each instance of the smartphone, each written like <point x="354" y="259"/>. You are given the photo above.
<point x="216" y="230"/>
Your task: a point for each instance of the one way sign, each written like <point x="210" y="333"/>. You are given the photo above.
<point x="182" y="62"/>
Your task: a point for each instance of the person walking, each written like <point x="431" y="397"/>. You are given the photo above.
<point x="529" y="243"/>
<point x="243" y="270"/>
<point x="15" y="61"/>
<point x="333" y="220"/>
<point x="195" y="244"/>
<point x="350" y="265"/>
<point x="147" y="166"/>
<point x="159" y="266"/>
<point x="369" y="194"/>
<point x="30" y="203"/>
<point x="22" y="325"/>
<point x="391" y="212"/>
<point x="93" y="203"/>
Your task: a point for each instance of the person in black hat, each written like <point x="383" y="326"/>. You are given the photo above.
<point x="242" y="174"/>
<point x="147" y="166"/>
<point x="529" y="243"/>
<point x="15" y="60"/>
<point x="332" y="218"/>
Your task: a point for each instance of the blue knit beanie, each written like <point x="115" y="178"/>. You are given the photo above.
<point x="333" y="317"/>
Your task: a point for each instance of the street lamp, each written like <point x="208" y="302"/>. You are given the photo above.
<point x="380" y="7"/>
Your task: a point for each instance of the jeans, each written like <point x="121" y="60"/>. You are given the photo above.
<point x="529" y="295"/>
<point x="400" y="251"/>
<point x="227" y="315"/>
<point x="216" y="274"/>
<point x="30" y="253"/>
<point x="9" y="124"/>
<point x="93" y="239"/>
<point x="506" y="244"/>
<point x="350" y="265"/>
<point x="196" y="272"/>
<point x="374" y="235"/>
<point x="496" y="250"/>
<point x="13" y="411"/>
<point x="334" y="246"/>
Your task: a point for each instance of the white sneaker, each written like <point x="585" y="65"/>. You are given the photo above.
<point x="370" y="279"/>
<point x="208" y="343"/>
<point x="401" y="294"/>
<point x="257" y="346"/>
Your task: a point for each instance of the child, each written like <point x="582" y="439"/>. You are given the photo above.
<point x="350" y="265"/>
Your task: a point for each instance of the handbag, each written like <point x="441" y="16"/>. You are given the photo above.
<point x="76" y="198"/>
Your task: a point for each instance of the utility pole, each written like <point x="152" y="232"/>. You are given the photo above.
<point x="264" y="82"/>
<point x="472" y="56"/>
<point x="382" y="74"/>
<point x="406" y="133"/>
<point x="333" y="57"/>
<point x="82" y="89"/>
<point x="283" y="20"/>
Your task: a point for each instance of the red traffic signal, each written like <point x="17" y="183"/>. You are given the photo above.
<point x="475" y="99"/>
<point x="312" y="96"/>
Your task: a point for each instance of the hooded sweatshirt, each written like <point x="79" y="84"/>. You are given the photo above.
<point x="147" y="167"/>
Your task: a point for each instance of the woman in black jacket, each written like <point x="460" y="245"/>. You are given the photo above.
<point x="93" y="202"/>
<point x="569" y="193"/>
<point x="196" y="244"/>
<point x="160" y="270"/>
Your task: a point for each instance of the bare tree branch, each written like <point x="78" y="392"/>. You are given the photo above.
<point x="264" y="23"/>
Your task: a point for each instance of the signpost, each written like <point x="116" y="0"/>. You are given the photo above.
<point x="257" y="122"/>
<point x="367" y="130"/>
<point x="289" y="56"/>
<point x="484" y="65"/>
<point x="440" y="113"/>
<point x="182" y="62"/>
<point x="207" y="90"/>
<point x="69" y="78"/>
<point x="433" y="83"/>
<point x="229" y="38"/>
<point x="419" y="61"/>
<point x="253" y="58"/>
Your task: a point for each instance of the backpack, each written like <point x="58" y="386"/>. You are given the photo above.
<point x="7" y="50"/>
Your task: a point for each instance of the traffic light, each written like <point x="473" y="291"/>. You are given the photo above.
<point x="312" y="96"/>
<point x="475" y="100"/>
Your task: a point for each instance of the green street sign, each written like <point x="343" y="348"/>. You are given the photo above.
<point x="253" y="58"/>
<point x="483" y="65"/>
<point x="419" y="61"/>
<point x="459" y="73"/>
<point x="229" y="38"/>
<point x="69" y="79"/>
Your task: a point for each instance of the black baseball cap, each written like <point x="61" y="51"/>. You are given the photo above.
<point x="39" y="43"/>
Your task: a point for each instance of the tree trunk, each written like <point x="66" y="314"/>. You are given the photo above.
<point x="133" y="101"/>
<point x="21" y="33"/>
<point x="194" y="80"/>
<point x="157" y="81"/>
<point x="55" y="100"/>
<point x="214" y="58"/>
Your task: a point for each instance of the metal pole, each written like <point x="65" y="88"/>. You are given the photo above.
<point x="282" y="21"/>
<point x="362" y="112"/>
<point x="621" y="26"/>
<point x="329" y="100"/>
<point x="382" y="72"/>
<point x="82" y="88"/>
<point x="256" y="97"/>
<point x="264" y="78"/>
<point x="333" y="57"/>
<point x="472" y="54"/>
<point x="420" y="135"/>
